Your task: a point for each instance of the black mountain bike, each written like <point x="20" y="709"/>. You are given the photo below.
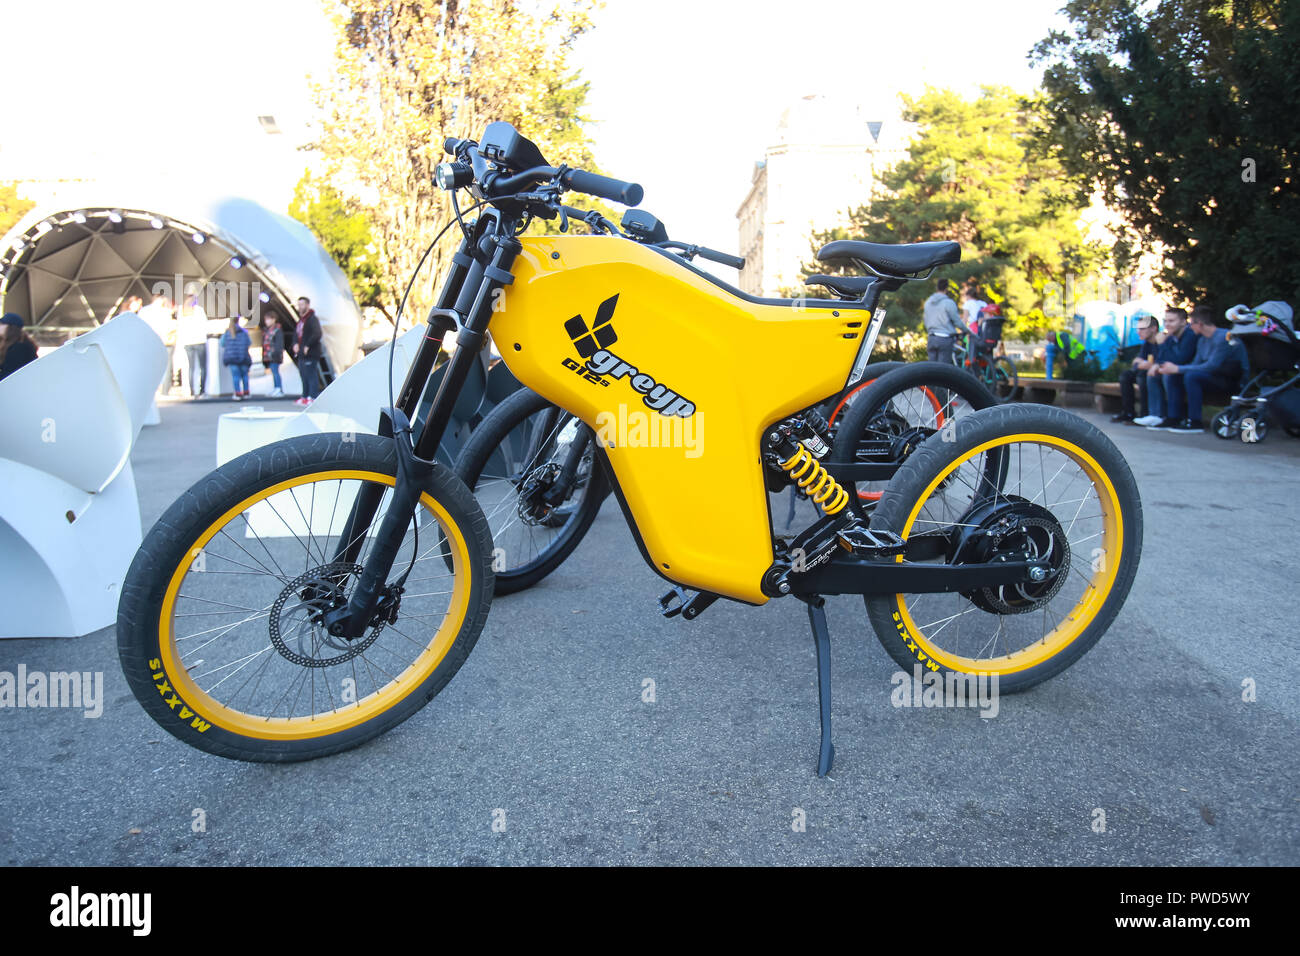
<point x="997" y="373"/>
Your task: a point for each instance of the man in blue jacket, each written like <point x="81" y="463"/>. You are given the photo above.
<point x="1218" y="365"/>
<point x="1178" y="347"/>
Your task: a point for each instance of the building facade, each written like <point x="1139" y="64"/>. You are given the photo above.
<point x="825" y="161"/>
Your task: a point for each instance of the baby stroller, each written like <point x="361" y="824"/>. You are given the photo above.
<point x="1268" y="334"/>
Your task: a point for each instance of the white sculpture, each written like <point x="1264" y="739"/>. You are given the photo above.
<point x="70" y="518"/>
<point x="351" y="403"/>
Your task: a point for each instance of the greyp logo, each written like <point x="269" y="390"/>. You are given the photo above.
<point x="601" y="335"/>
<point x="593" y="345"/>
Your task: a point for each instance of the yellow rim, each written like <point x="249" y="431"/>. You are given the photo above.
<point x="207" y="709"/>
<point x="1078" y="618"/>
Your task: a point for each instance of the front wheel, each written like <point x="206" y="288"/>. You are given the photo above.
<point x="1013" y="481"/>
<point x="220" y="626"/>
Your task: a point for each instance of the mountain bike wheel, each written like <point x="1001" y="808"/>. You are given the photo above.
<point x="509" y="463"/>
<point x="902" y="407"/>
<point x="219" y="621"/>
<point x="840" y="407"/>
<point x="1006" y="381"/>
<point x="1064" y="493"/>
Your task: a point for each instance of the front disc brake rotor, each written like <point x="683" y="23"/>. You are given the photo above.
<point x="532" y="507"/>
<point x="297" y="624"/>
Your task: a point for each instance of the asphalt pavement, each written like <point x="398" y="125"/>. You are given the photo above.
<point x="1173" y="741"/>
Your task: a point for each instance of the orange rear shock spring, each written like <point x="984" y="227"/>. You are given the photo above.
<point x="815" y="481"/>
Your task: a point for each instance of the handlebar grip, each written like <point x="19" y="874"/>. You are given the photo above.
<point x="720" y="257"/>
<point x="615" y="190"/>
<point x="451" y="144"/>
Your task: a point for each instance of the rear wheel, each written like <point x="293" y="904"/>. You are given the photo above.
<point x="1017" y="480"/>
<point x="890" y="418"/>
<point x="220" y="625"/>
<point x="512" y="463"/>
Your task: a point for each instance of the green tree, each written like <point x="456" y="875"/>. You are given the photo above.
<point x="12" y="207"/>
<point x="1182" y="114"/>
<point x="561" y="125"/>
<point x="344" y="230"/>
<point x="970" y="176"/>
<point x="408" y="76"/>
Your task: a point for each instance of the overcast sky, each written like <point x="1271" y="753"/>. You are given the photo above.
<point x="687" y="92"/>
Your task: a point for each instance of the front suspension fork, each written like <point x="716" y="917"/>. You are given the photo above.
<point x="473" y="285"/>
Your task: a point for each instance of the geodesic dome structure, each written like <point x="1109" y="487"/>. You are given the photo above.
<point x="68" y="267"/>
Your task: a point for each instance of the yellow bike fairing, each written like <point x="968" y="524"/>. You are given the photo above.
<point x="623" y="336"/>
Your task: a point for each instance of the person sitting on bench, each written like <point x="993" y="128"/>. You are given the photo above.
<point x="1177" y="346"/>
<point x="1136" y="378"/>
<point x="1219" y="365"/>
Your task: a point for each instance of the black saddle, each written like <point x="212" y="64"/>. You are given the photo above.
<point x="890" y="259"/>
<point x="849" y="287"/>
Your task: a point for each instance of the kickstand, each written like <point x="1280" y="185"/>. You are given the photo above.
<point x="822" y="641"/>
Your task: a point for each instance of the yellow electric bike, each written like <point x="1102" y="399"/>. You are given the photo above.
<point x="315" y="592"/>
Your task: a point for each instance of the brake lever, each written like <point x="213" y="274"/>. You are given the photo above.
<point x="599" y="224"/>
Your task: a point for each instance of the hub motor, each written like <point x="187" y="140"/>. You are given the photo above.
<point x="1013" y="529"/>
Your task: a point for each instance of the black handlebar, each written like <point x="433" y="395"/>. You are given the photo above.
<point x="629" y="194"/>
<point x="704" y="252"/>
<point x="579" y="180"/>
<point x="497" y="184"/>
<point x="615" y="190"/>
<point x="736" y="262"/>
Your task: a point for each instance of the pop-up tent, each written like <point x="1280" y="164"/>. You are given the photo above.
<point x="1109" y="327"/>
<point x="68" y="267"/>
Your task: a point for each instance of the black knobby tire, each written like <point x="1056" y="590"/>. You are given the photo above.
<point x="947" y="389"/>
<point x="214" y="527"/>
<point x="1045" y="436"/>
<point x="507" y="423"/>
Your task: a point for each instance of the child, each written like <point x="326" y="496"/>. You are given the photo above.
<point x="234" y="353"/>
